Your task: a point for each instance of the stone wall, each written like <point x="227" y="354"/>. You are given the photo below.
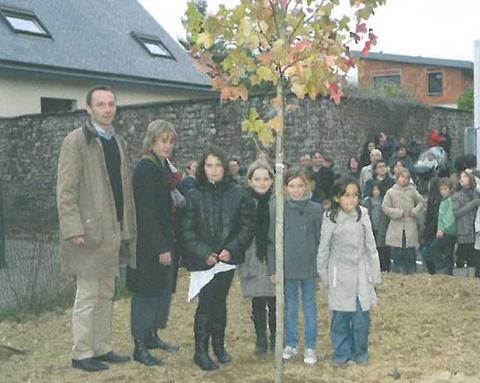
<point x="29" y="145"/>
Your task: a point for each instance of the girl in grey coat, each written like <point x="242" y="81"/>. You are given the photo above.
<point x="349" y="268"/>
<point x="303" y="220"/>
<point x="253" y="273"/>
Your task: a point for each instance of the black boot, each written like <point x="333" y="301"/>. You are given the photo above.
<point x="259" y="317"/>
<point x="154" y="341"/>
<point x="218" y="339"/>
<point x="272" y="322"/>
<point x="142" y="355"/>
<point x="202" y="335"/>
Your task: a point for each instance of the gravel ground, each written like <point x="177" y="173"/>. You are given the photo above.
<point x="426" y="329"/>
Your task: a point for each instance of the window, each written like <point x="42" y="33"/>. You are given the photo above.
<point x="55" y="105"/>
<point x="153" y="45"/>
<point x="435" y="83"/>
<point x="26" y="22"/>
<point x="379" y="81"/>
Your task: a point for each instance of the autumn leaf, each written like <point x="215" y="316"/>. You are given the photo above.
<point x="366" y="48"/>
<point x="302" y="45"/>
<point x="234" y="93"/>
<point x="266" y="137"/>
<point x="276" y="123"/>
<point x="266" y="74"/>
<point x="336" y="93"/>
<point x="204" y="39"/>
<point x="361" y="28"/>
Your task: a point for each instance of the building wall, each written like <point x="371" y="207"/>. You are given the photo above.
<point x="414" y="78"/>
<point x="20" y="95"/>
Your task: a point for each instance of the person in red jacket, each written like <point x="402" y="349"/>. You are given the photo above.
<point x="435" y="138"/>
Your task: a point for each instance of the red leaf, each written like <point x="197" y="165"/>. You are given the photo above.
<point x="302" y="45"/>
<point x="366" y="48"/>
<point x="336" y="93"/>
<point x="361" y="28"/>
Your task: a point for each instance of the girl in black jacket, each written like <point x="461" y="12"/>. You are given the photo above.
<point x="216" y="228"/>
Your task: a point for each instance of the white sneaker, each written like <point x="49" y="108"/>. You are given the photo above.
<point x="289" y="352"/>
<point x="310" y="356"/>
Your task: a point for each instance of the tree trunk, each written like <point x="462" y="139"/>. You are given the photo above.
<point x="279" y="283"/>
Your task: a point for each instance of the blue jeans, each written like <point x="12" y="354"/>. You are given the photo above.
<point x="308" y="287"/>
<point x="349" y="332"/>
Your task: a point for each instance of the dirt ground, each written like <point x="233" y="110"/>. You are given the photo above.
<point x="426" y="329"/>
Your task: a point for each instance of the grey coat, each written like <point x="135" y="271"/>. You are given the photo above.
<point x="303" y="222"/>
<point x="381" y="224"/>
<point x="254" y="278"/>
<point x="348" y="263"/>
<point x="397" y="201"/>
<point x="465" y="203"/>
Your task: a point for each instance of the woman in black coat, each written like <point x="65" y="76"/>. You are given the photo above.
<point x="152" y="280"/>
<point x="216" y="228"/>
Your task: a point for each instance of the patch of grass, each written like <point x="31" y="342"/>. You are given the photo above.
<point x="10" y="315"/>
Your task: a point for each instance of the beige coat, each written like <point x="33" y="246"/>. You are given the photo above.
<point x="399" y="200"/>
<point x="86" y="207"/>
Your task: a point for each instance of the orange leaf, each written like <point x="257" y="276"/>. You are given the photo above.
<point x="276" y="123"/>
<point x="234" y="92"/>
<point x="302" y="45"/>
<point x="336" y="93"/>
<point x="366" y="48"/>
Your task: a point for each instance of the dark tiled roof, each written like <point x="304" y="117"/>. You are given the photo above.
<point x="416" y="60"/>
<point x="92" y="39"/>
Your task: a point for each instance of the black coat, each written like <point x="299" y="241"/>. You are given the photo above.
<point x="152" y="185"/>
<point x="387" y="183"/>
<point x="218" y="216"/>
<point x="324" y="180"/>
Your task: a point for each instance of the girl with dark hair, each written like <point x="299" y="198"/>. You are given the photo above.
<point x="403" y="203"/>
<point x="431" y="220"/>
<point x="365" y="155"/>
<point x="348" y="267"/>
<point x="253" y="273"/>
<point x="303" y="220"/>
<point x="354" y="167"/>
<point x="216" y="228"/>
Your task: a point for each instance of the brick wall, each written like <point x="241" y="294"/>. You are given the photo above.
<point x="414" y="79"/>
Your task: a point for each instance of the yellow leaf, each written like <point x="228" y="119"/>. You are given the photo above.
<point x="298" y="89"/>
<point x="204" y="39"/>
<point x="276" y="123"/>
<point x="266" y="137"/>
<point x="266" y="74"/>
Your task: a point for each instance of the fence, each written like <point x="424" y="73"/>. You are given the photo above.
<point x="30" y="276"/>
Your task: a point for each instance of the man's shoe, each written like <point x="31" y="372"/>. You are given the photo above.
<point x="88" y="364"/>
<point x="111" y="357"/>
<point x="142" y="355"/>
<point x="155" y="342"/>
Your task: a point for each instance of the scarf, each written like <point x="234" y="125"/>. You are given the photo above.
<point x="262" y="224"/>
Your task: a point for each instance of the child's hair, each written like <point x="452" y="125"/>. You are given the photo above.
<point x="447" y="181"/>
<point x="339" y="189"/>
<point x="298" y="172"/>
<point x="434" y="195"/>
<point x="259" y="164"/>
<point x="401" y="173"/>
<point x="472" y="184"/>
<point x="377" y="184"/>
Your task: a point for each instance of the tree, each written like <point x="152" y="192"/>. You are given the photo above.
<point x="465" y="101"/>
<point x="299" y="47"/>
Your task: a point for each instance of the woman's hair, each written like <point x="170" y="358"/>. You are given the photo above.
<point x="447" y="181"/>
<point x="402" y="172"/>
<point x="214" y="151"/>
<point x="472" y="183"/>
<point x="434" y="195"/>
<point x="339" y="189"/>
<point x="259" y="164"/>
<point x="298" y="172"/>
<point x="356" y="160"/>
<point x="156" y="129"/>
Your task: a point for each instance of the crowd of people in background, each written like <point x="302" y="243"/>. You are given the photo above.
<point x="218" y="215"/>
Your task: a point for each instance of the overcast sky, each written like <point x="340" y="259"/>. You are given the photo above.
<point x="429" y="28"/>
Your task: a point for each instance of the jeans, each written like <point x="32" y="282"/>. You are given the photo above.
<point x="349" y="332"/>
<point x="308" y="288"/>
<point x="442" y="254"/>
<point x="404" y="260"/>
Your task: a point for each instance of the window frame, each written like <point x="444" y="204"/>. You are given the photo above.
<point x="144" y="39"/>
<point x="434" y="72"/>
<point x="27" y="15"/>
<point x="375" y="76"/>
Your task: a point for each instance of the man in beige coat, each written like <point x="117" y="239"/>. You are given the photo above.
<point x="97" y="226"/>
